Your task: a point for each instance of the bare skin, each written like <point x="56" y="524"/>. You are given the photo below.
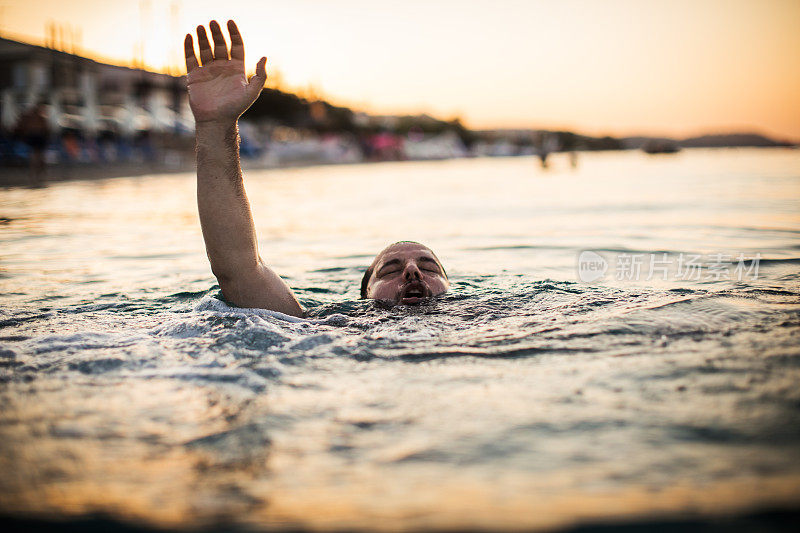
<point x="219" y="93"/>
<point x="406" y="273"/>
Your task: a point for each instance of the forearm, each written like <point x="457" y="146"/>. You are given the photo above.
<point x="225" y="215"/>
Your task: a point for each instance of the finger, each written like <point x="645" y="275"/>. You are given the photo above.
<point x="191" y="59"/>
<point x="237" y="46"/>
<point x="206" y="56"/>
<point x="258" y="80"/>
<point x="220" y="48"/>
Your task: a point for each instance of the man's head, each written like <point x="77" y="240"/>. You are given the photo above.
<point x="404" y="273"/>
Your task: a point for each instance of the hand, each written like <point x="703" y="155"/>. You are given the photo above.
<point x="219" y="90"/>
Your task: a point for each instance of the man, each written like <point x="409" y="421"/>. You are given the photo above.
<point x="34" y="130"/>
<point x="403" y="273"/>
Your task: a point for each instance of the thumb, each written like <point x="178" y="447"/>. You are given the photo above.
<point x="257" y="81"/>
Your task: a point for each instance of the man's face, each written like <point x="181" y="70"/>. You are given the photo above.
<point x="405" y="273"/>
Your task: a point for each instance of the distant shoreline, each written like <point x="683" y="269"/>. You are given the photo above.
<point x="17" y="176"/>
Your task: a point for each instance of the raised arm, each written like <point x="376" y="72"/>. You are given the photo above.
<point x="219" y="93"/>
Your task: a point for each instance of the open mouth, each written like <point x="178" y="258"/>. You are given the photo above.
<point x="413" y="293"/>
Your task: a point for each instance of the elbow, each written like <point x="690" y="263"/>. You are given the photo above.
<point x="229" y="290"/>
<point x="236" y="286"/>
<point x="230" y="273"/>
<point x="223" y="276"/>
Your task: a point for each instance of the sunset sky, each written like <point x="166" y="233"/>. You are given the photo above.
<point x="616" y="66"/>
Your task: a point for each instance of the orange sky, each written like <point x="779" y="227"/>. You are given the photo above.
<point x="618" y="66"/>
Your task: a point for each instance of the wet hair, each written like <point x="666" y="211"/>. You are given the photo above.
<point x="371" y="269"/>
<point x="365" y="281"/>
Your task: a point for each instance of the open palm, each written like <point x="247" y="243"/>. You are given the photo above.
<point x="219" y="90"/>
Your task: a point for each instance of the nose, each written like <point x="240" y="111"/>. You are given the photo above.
<point x="412" y="272"/>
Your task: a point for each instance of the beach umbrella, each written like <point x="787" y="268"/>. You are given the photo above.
<point x="54" y="116"/>
<point x="128" y="122"/>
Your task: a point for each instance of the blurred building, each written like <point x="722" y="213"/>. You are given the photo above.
<point x="87" y="97"/>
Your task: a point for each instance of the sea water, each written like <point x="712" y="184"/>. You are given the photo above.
<point x="531" y="395"/>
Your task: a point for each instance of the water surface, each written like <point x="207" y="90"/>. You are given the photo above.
<point x="523" y="398"/>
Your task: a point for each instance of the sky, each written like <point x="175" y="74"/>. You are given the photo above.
<point x="617" y="67"/>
